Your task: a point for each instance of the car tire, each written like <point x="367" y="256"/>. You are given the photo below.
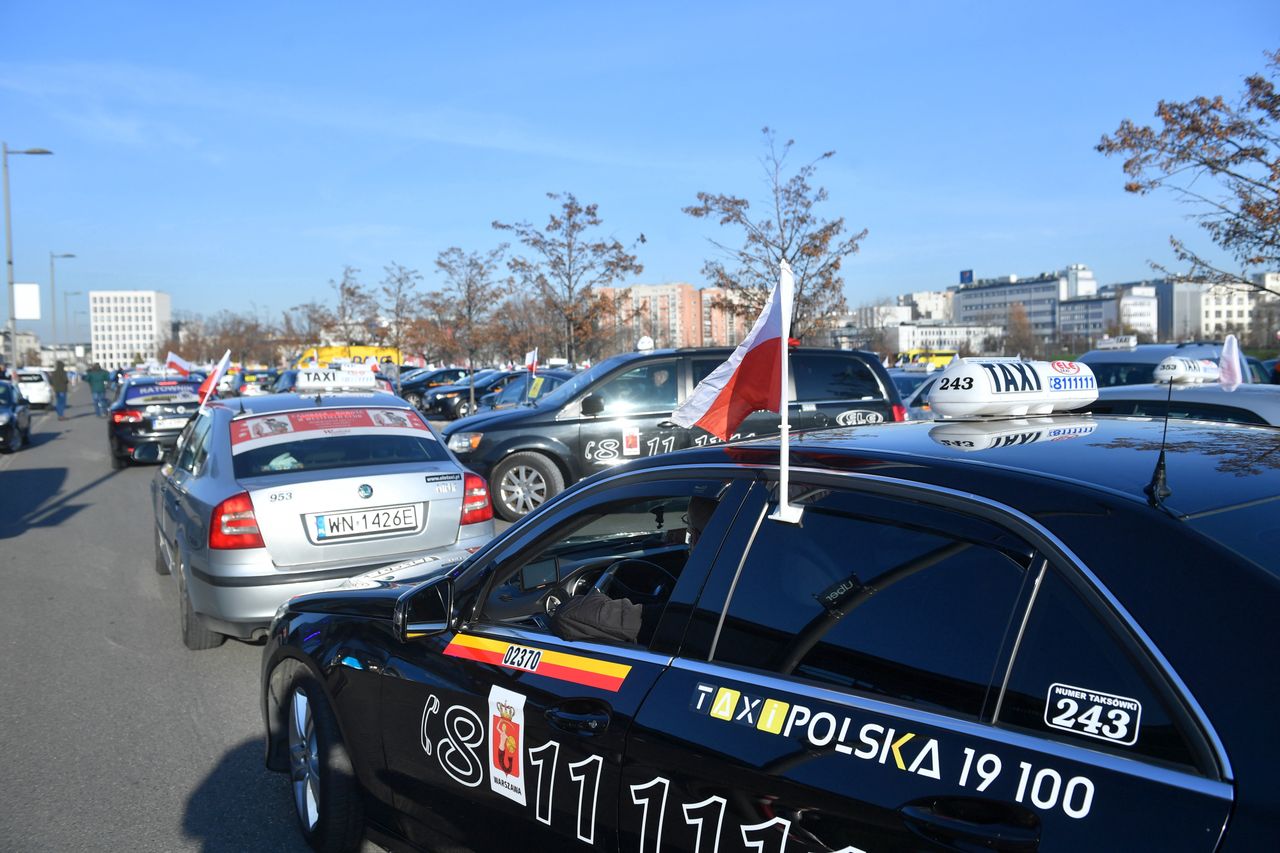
<point x="413" y="398"/>
<point x="16" y="441"/>
<point x="523" y="482"/>
<point x="195" y="636"/>
<point x="326" y="795"/>
<point x="162" y="567"/>
<point x="117" y="462"/>
<point x="463" y="409"/>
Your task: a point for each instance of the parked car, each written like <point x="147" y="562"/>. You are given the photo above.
<point x="36" y="387"/>
<point x="1209" y="401"/>
<point x="415" y="388"/>
<point x="1133" y="365"/>
<point x="148" y="412"/>
<point x="524" y="390"/>
<point x="268" y="497"/>
<point x="620" y="409"/>
<point x="454" y="401"/>
<point x="1009" y="633"/>
<point x="15" y="417"/>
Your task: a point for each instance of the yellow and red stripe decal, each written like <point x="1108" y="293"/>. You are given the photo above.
<point x="561" y="666"/>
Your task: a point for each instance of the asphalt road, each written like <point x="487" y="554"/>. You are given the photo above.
<point x="112" y="735"/>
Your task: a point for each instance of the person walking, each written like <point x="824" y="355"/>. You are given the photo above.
<point x="58" y="379"/>
<point x="97" y="378"/>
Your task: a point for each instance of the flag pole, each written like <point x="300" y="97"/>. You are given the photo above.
<point x="785" y="511"/>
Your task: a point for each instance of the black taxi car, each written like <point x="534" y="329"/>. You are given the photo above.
<point x="1021" y="634"/>
<point x="149" y="412"/>
<point x="620" y="410"/>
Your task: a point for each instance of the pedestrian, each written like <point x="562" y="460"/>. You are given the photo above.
<point x="98" y="379"/>
<point x="58" y="379"/>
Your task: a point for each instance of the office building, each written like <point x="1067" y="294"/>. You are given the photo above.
<point x="127" y="326"/>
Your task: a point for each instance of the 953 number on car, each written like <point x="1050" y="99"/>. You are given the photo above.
<point x="379" y="521"/>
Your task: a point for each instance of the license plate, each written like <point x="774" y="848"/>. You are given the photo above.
<point x="326" y="527"/>
<point x="169" y="423"/>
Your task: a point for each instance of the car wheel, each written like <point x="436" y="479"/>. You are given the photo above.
<point x="464" y="409"/>
<point x="195" y="635"/>
<point x="162" y="567"/>
<point x="523" y="482"/>
<point x="10" y="444"/>
<point x="326" y="796"/>
<point x="413" y="398"/>
<point x="16" y="439"/>
<point x="117" y="461"/>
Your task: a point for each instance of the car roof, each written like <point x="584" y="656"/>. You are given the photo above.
<point x="1153" y="353"/>
<point x="291" y="401"/>
<point x="1263" y="400"/>
<point x="1209" y="466"/>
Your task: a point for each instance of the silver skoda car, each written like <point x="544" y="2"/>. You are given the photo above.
<point x="268" y="497"/>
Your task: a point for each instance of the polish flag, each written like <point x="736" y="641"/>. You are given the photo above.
<point x="531" y="360"/>
<point x="177" y="364"/>
<point x="1230" y="374"/>
<point x="210" y="385"/>
<point x="751" y="380"/>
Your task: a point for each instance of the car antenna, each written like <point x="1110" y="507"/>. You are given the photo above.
<point x="242" y="405"/>
<point x="1158" y="489"/>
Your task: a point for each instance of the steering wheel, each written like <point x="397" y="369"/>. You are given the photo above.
<point x="609" y="584"/>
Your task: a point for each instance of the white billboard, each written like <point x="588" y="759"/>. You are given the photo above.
<point x="26" y="301"/>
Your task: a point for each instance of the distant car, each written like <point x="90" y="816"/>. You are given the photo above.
<point x="15" y="417"/>
<point x="268" y="497"/>
<point x="1247" y="404"/>
<point x="36" y="387"/>
<point x="1272" y="368"/>
<point x="254" y="383"/>
<point x="1133" y="365"/>
<point x="454" y="401"/>
<point x="148" y="411"/>
<point x="415" y="388"/>
<point x="520" y="391"/>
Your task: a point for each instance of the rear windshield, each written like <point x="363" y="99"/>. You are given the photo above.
<point x="1123" y="373"/>
<point x="328" y="439"/>
<point x="30" y="377"/>
<point x="834" y="377"/>
<point x="165" y="391"/>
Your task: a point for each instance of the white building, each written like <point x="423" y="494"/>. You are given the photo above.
<point x="1114" y="310"/>
<point x="127" y="325"/>
<point x="989" y="301"/>
<point x="943" y="336"/>
<point x="930" y="304"/>
<point x="1225" y="309"/>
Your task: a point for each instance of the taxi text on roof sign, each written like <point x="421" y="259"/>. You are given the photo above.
<point x="977" y="387"/>
<point x="327" y="379"/>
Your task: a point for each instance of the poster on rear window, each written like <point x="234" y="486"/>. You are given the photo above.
<point x="265" y="430"/>
<point x="163" y="391"/>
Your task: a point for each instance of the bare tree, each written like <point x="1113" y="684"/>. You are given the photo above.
<point x="354" y="314"/>
<point x="566" y="264"/>
<point x="473" y="292"/>
<point x="1223" y="160"/>
<point x="789" y="230"/>
<point x="398" y="303"/>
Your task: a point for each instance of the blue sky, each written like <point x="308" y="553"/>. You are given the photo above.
<point x="241" y="158"/>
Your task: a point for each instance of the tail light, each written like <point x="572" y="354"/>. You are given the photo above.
<point x="476" y="506"/>
<point x="127" y="416"/>
<point x="234" y="525"/>
<point x="899" y="413"/>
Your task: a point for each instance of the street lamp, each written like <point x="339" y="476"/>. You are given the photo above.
<point x="53" y="301"/>
<point x="8" y="245"/>
<point x="65" y="313"/>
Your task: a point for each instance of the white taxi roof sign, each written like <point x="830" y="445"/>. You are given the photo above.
<point x="336" y="378"/>
<point x="1185" y="371"/>
<point x="1001" y="387"/>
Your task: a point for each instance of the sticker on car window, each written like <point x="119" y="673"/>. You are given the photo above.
<point x="1092" y="713"/>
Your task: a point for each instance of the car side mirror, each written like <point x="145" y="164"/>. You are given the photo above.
<point x="592" y="405"/>
<point x="424" y="610"/>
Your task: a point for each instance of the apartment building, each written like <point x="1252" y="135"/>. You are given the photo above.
<point x="127" y="325"/>
<point x="676" y="314"/>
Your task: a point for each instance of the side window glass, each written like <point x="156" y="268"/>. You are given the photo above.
<point x="1074" y="679"/>
<point x="702" y="368"/>
<point x="883" y="597"/>
<point x="833" y="377"/>
<point x="607" y="573"/>
<point x="192" y="452"/>
<point x="650" y="387"/>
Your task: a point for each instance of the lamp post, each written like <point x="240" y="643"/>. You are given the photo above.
<point x="53" y="301"/>
<point x="8" y="245"/>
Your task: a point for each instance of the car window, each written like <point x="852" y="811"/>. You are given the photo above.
<point x="1123" y="373"/>
<point x="631" y="551"/>
<point x="162" y="391"/>
<point x="1075" y="680"/>
<point x="1195" y="411"/>
<point x="651" y="387"/>
<point x="6" y="395"/>
<point x="194" y="449"/>
<point x="883" y="597"/>
<point x="821" y="376"/>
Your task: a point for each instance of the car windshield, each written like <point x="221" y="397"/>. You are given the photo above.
<point x="1113" y="373"/>
<point x="570" y="389"/>
<point x="6" y="395"/>
<point x="165" y="391"/>
<point x="908" y="382"/>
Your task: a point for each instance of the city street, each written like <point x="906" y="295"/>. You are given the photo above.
<point x="114" y="736"/>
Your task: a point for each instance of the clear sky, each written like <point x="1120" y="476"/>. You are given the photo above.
<point x="239" y="155"/>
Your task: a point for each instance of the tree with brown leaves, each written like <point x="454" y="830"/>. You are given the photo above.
<point x="472" y="290"/>
<point x="789" y="229"/>
<point x="1222" y="159"/>
<point x="567" y="263"/>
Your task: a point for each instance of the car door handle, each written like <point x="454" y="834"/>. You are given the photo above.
<point x="989" y="824"/>
<point x="581" y="717"/>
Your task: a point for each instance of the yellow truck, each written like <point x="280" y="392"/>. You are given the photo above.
<point x="323" y="356"/>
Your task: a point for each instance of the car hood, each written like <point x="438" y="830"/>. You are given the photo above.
<point x="491" y="419"/>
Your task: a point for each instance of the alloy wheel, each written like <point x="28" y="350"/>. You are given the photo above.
<point x="304" y="760"/>
<point x="523" y="489"/>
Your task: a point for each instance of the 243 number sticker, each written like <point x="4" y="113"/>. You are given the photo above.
<point x="1098" y="715"/>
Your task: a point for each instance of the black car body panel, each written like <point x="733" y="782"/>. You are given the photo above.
<point x="962" y="715"/>
<point x="149" y="411"/>
<point x="16" y="414"/>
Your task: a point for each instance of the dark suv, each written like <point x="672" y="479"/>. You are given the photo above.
<point x="620" y="410"/>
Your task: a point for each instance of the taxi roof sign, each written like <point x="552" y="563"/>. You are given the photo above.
<point x="1185" y="370"/>
<point x="996" y="387"/>
<point x="349" y="376"/>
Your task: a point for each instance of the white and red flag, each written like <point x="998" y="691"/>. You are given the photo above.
<point x="210" y="385"/>
<point x="531" y="360"/>
<point x="753" y="379"/>
<point x="1230" y="374"/>
<point x="177" y="364"/>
